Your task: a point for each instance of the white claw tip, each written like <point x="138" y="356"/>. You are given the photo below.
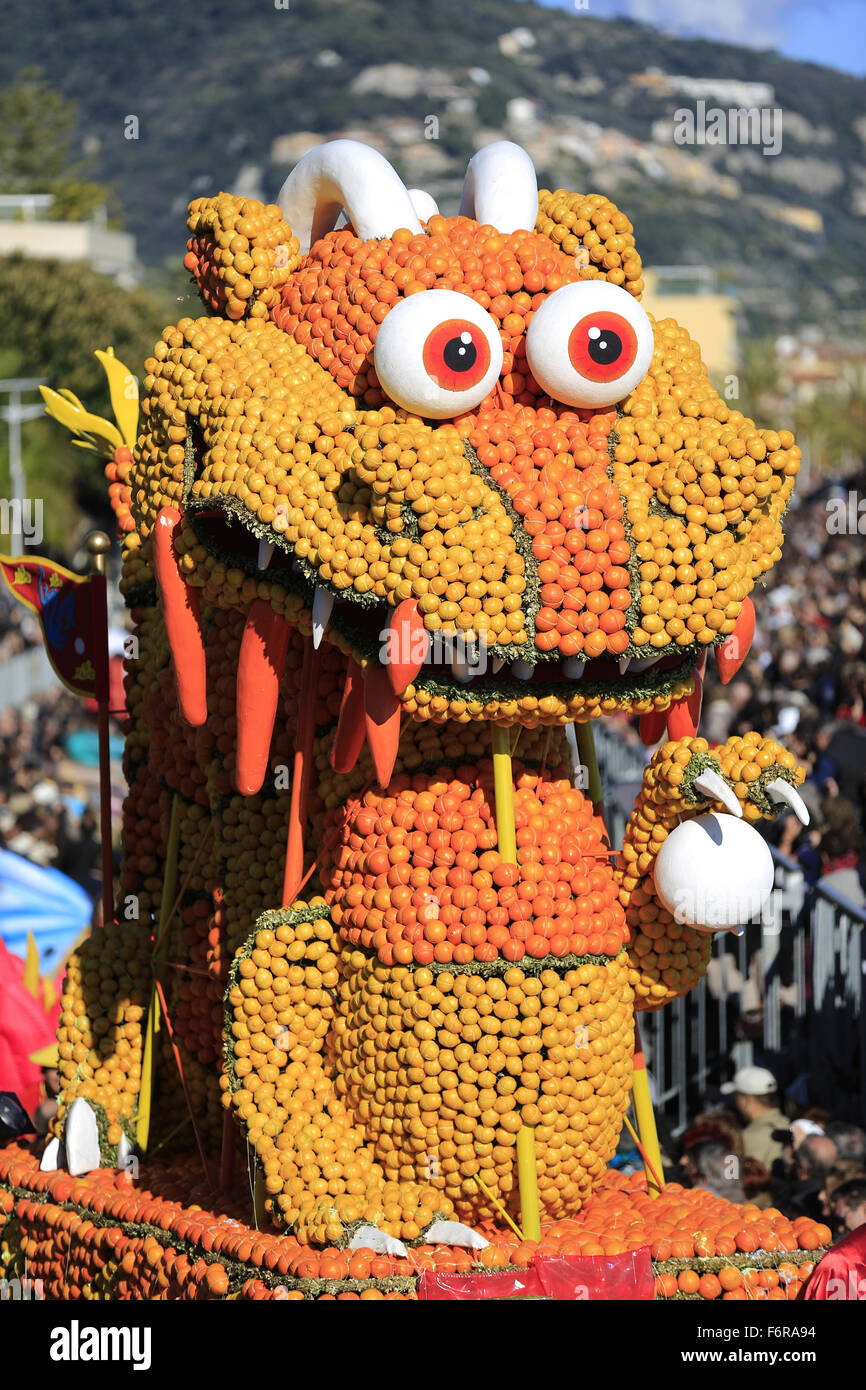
<point x="715" y="788"/>
<point x="371" y="1238"/>
<point x="781" y="791"/>
<point x="81" y="1138"/>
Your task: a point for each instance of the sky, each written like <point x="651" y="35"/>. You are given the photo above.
<point x="832" y="32"/>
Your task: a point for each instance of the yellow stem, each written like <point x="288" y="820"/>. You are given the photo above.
<point x="646" y="1120"/>
<point x="166" y="912"/>
<point x="503" y="787"/>
<point x="527" y="1177"/>
<point x="586" y="750"/>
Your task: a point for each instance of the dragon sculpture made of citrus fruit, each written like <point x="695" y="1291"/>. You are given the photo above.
<point x="415" y="495"/>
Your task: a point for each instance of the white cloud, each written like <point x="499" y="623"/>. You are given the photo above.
<point x="728" y="21"/>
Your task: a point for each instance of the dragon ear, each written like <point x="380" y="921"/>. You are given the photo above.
<point x="592" y="229"/>
<point x="240" y="254"/>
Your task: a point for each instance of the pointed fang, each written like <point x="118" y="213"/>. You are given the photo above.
<point x="382" y="718"/>
<point x="734" y="650"/>
<point x="260" y="669"/>
<point x="182" y="616"/>
<point x="323" y="603"/>
<point x="351" y="729"/>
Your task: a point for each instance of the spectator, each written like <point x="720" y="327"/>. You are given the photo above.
<point x="756" y="1097"/>
<point x="709" y="1164"/>
<point x="850" y="1141"/>
<point x="840" y="1173"/>
<point x="813" y="1161"/>
<point x="849" y="1203"/>
<point x="841" y="1274"/>
<point x="840" y="849"/>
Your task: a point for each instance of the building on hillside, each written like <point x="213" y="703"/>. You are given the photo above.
<point x="26" y="227"/>
<point x="689" y="295"/>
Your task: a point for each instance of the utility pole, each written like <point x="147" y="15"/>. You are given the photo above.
<point x="15" y="413"/>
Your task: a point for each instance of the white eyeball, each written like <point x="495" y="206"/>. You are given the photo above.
<point x="589" y="344"/>
<point x="437" y="353"/>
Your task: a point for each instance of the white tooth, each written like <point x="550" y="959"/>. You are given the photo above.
<point x="574" y="667"/>
<point x="497" y="664"/>
<point x="462" y="671"/>
<point x="522" y="670"/>
<point x="266" y="550"/>
<point x="715" y="788"/>
<point x="782" y="791"/>
<point x="323" y="602"/>
<point x="623" y="665"/>
<point x="644" y="663"/>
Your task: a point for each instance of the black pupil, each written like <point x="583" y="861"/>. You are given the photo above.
<point x="605" y="346"/>
<point x="460" y="353"/>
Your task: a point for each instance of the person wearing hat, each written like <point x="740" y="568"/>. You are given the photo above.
<point x="756" y="1097"/>
<point x="48" y="1058"/>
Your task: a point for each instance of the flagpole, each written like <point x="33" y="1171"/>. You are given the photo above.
<point x="98" y="546"/>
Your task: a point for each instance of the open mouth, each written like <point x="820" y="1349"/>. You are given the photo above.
<point x="458" y="667"/>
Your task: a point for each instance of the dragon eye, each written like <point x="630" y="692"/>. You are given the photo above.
<point x="437" y="353"/>
<point x="589" y="344"/>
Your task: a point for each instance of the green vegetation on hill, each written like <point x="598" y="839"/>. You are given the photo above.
<point x="212" y="89"/>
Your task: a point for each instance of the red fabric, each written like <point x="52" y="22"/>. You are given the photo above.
<point x="63" y="603"/>
<point x="841" y="1273"/>
<point x="455" y="1287"/>
<point x="25" y="1027"/>
<point x="567" y="1278"/>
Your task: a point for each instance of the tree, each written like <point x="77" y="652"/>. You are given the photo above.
<point x="55" y="315"/>
<point x="36" y="129"/>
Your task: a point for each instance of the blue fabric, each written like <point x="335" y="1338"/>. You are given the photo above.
<point x="42" y="901"/>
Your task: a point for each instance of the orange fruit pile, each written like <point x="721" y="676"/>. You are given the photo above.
<point x="241" y="254"/>
<point x="417" y="877"/>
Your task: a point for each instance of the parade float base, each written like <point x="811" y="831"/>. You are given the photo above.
<point x="105" y="1236"/>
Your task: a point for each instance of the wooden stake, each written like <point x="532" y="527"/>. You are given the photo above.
<point x="646" y="1120"/>
<point x="98" y="546"/>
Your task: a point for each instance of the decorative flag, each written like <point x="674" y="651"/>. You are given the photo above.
<point x="63" y="602"/>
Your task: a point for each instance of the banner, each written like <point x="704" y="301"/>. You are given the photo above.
<point x="63" y="603"/>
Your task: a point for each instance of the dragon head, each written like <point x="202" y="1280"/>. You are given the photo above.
<point x="457" y="448"/>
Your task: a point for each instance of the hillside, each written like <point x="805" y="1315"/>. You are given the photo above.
<point x="228" y="95"/>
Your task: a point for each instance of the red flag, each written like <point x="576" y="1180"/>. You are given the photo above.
<point x="64" y="605"/>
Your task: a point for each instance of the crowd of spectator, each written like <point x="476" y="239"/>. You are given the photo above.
<point x="46" y="813"/>
<point x="756" y="1147"/>
<point x="804" y="683"/>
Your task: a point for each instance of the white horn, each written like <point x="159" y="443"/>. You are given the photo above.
<point x="425" y="206"/>
<point x="500" y="188"/>
<point x="345" y="174"/>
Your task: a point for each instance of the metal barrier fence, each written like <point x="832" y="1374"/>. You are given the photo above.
<point x="787" y="993"/>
